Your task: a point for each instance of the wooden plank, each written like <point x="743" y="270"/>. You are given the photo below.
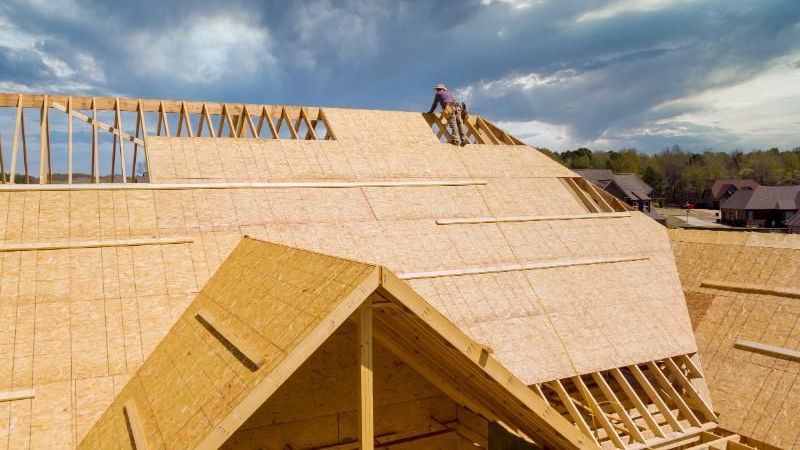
<point x="14" y="145"/>
<point x="622" y="413"/>
<point x="265" y="117"/>
<point x="366" y="425"/>
<point x="698" y="401"/>
<point x="253" y="355"/>
<point x="750" y="288"/>
<point x="122" y="147"/>
<point x="2" y="163"/>
<point x="225" y="117"/>
<point x="329" y="133"/>
<point x="582" y="195"/>
<point x="533" y="218"/>
<point x="655" y="398"/>
<point x="694" y="370"/>
<point x="135" y="424"/>
<point x="139" y="122"/>
<point x="310" y="134"/>
<point x="186" y="118"/>
<point x="97" y="124"/>
<point x="247" y="120"/>
<point x="25" y="151"/>
<point x="144" y="138"/>
<point x="590" y="189"/>
<point x="288" y="122"/>
<point x="22" y="394"/>
<point x="43" y="138"/>
<point x="69" y="140"/>
<point x="637" y="402"/>
<point x="598" y="412"/>
<point x="573" y="411"/>
<point x="514" y="267"/>
<point x="769" y="350"/>
<point x="95" y="143"/>
<point x="37" y="246"/>
<point x="672" y="393"/>
<point x="482" y="125"/>
<point x="162" y="120"/>
<point x="240" y="185"/>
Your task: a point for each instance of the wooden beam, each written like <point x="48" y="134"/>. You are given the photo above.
<point x="750" y="288"/>
<point x="582" y="195"/>
<point x="69" y="140"/>
<point x="2" y="163"/>
<point x="286" y="120"/>
<point x="139" y="122"/>
<point x="14" y="146"/>
<point x="39" y="246"/>
<point x="205" y="119"/>
<point x="329" y="133"/>
<point x="366" y="404"/>
<point x="655" y="398"/>
<point x="533" y="218"/>
<point x="135" y="424"/>
<point x="622" y="413"/>
<point x="115" y="130"/>
<point x="185" y="115"/>
<point x="637" y="402"/>
<point x="264" y="117"/>
<point x="25" y="151"/>
<point x="23" y="394"/>
<point x="162" y="120"/>
<point x="95" y="144"/>
<point x="768" y="350"/>
<point x="251" y="353"/>
<point x="662" y="380"/>
<point x="310" y="134"/>
<point x="573" y="411"/>
<point x="43" y="139"/>
<point x="698" y="401"/>
<point x="144" y="138"/>
<point x="598" y="412"/>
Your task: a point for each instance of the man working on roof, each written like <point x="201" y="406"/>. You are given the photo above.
<point x="452" y="111"/>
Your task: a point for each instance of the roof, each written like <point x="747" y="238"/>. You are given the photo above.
<point x="600" y="177"/>
<point x="624" y="185"/>
<point x="632" y="187"/>
<point x="765" y="198"/>
<point x="794" y="221"/>
<point x="720" y="187"/>
<point x="493" y="236"/>
<point x="744" y="286"/>
<point x="258" y="337"/>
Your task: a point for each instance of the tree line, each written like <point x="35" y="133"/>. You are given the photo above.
<point x="678" y="175"/>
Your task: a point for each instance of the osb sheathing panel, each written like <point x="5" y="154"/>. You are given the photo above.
<point x="255" y="295"/>
<point x="131" y="295"/>
<point x="756" y="395"/>
<point x="318" y="405"/>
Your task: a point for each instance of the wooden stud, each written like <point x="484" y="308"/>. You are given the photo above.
<point x="532" y="218"/>
<point x="251" y="353"/>
<point x="162" y="120"/>
<point x="286" y="120"/>
<point x="43" y="139"/>
<point x="655" y="398"/>
<point x="139" y="122"/>
<point x="304" y="117"/>
<point x="622" y="413"/>
<point x="69" y="140"/>
<point x="672" y="393"/>
<point x="698" y="401"/>
<point x="10" y="396"/>
<point x="573" y="411"/>
<point x="205" y="119"/>
<point x="144" y="139"/>
<point x="366" y="404"/>
<point x="329" y="133"/>
<point x="637" y="402"/>
<point x="25" y="151"/>
<point x="487" y="130"/>
<point x="2" y="163"/>
<point x="105" y="127"/>
<point x="598" y="412"/>
<point x="265" y="117"/>
<point x="186" y="119"/>
<point x="582" y="195"/>
<point x="95" y="143"/>
<point x="14" y="146"/>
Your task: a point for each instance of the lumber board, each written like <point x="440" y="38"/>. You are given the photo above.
<point x="34" y="246"/>
<point x="750" y="288"/>
<point x="769" y="350"/>
<point x="135" y="423"/>
<point x="532" y="218"/>
<point x="103" y="126"/>
<point x="22" y="394"/>
<point x="366" y="414"/>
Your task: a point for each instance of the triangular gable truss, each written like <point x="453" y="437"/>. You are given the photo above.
<point x="382" y="305"/>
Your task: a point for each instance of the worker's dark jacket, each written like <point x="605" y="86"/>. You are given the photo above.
<point x="442" y="98"/>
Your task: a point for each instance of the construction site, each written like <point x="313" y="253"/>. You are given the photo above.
<point x="181" y="274"/>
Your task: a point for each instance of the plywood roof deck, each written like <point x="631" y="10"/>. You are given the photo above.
<point x="80" y="319"/>
<point x="741" y="289"/>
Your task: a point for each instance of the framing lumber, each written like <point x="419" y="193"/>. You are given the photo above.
<point x="95" y="143"/>
<point x="750" y="288"/>
<point x="23" y="394"/>
<point x="44" y="138"/>
<point x="92" y="244"/>
<point x="622" y="413"/>
<point x="135" y="424"/>
<point x="329" y="133"/>
<point x="768" y="350"/>
<point x="225" y="333"/>
<point x="535" y="218"/>
<point x="573" y="411"/>
<point x="655" y="398"/>
<point x="672" y="393"/>
<point x="17" y="124"/>
<point x="698" y="401"/>
<point x="533" y="265"/>
<point x="265" y="117"/>
<point x="597" y="412"/>
<point x="162" y="120"/>
<point x="582" y="195"/>
<point x="630" y="393"/>
<point x="69" y="140"/>
<point x="366" y="422"/>
<point x="115" y="130"/>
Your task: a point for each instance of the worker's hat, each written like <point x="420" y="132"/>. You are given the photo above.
<point x="441" y="86"/>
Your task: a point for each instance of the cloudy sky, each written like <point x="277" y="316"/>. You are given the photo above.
<point x="720" y="74"/>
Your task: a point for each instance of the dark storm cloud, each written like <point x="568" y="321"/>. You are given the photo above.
<point x="599" y="77"/>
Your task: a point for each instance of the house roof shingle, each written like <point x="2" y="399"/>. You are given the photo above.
<point x="721" y="186"/>
<point x="765" y="197"/>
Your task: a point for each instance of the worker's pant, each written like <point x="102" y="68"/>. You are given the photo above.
<point x="456" y="125"/>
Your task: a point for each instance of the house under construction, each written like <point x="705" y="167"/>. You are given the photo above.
<point x="299" y="278"/>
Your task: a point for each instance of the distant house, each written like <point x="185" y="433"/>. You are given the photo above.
<point x="721" y="190"/>
<point x="625" y="186"/>
<point x="764" y="206"/>
<point x="794" y="223"/>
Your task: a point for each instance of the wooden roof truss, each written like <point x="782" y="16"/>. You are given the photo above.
<point x="595" y="200"/>
<point x="638" y="406"/>
<point x="479" y="130"/>
<point x="186" y="119"/>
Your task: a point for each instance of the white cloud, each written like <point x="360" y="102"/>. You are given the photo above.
<point x="515" y="83"/>
<point x="619" y="7"/>
<point x="516" y="4"/>
<point x="204" y="49"/>
<point x="763" y="111"/>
